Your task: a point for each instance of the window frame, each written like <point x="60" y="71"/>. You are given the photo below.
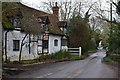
<point x="55" y="42"/>
<point x="63" y="42"/>
<point x="16" y="45"/>
<point x="45" y="44"/>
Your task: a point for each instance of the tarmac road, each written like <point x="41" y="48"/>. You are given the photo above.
<point x="91" y="67"/>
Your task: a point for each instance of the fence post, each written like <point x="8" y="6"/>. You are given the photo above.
<point x="79" y="51"/>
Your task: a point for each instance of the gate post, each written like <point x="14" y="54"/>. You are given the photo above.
<point x="79" y="51"/>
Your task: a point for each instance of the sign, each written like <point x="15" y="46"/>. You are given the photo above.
<point x="45" y="37"/>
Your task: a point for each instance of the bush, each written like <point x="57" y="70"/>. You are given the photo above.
<point x="61" y="55"/>
<point x="44" y="57"/>
<point x="112" y="58"/>
<point x="58" y="55"/>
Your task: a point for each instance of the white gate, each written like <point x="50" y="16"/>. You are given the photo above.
<point x="75" y="51"/>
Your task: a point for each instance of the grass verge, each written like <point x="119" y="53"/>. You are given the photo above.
<point x="54" y="57"/>
<point x="92" y="51"/>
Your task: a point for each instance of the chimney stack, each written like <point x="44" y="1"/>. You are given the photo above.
<point x="56" y="10"/>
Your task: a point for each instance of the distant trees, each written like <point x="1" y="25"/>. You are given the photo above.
<point x="114" y="35"/>
<point x="114" y="38"/>
<point x="67" y="8"/>
<point x="79" y="33"/>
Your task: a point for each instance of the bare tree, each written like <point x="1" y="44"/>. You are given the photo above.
<point x="66" y="8"/>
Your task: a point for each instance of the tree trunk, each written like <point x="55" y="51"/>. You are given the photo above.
<point x="6" y="46"/>
<point x="29" y="44"/>
<point x="22" y="47"/>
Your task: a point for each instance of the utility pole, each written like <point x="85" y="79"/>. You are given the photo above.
<point x="110" y="18"/>
<point x="111" y="14"/>
<point x="0" y="31"/>
<point x="1" y="39"/>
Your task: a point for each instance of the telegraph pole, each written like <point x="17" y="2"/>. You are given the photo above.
<point x="110" y="18"/>
<point x="111" y="14"/>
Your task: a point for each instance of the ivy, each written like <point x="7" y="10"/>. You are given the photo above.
<point x="6" y="23"/>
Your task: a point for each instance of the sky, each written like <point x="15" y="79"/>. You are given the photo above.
<point x="37" y="4"/>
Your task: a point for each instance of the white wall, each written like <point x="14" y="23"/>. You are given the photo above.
<point x="13" y="55"/>
<point x="52" y="48"/>
<point x="1" y="42"/>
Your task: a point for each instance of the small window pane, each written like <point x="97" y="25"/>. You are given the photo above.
<point x="64" y="42"/>
<point x="55" y="42"/>
<point x="16" y="44"/>
<point x="45" y="44"/>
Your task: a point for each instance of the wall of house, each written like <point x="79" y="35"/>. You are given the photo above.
<point x="52" y="48"/>
<point x="14" y="55"/>
<point x="0" y="42"/>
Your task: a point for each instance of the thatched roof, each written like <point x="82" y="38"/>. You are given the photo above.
<point x="53" y="27"/>
<point x="29" y="20"/>
<point x="62" y="24"/>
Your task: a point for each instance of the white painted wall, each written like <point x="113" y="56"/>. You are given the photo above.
<point x="52" y="48"/>
<point x="17" y="35"/>
<point x="13" y="55"/>
<point x="39" y="46"/>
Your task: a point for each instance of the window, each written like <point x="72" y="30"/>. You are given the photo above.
<point x="55" y="42"/>
<point x="45" y="44"/>
<point x="65" y="30"/>
<point x="64" y="42"/>
<point x="16" y="44"/>
<point x="39" y="20"/>
<point x="16" y="23"/>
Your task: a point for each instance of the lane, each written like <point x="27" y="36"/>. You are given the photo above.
<point x="91" y="67"/>
<point x="97" y="69"/>
<point x="54" y="69"/>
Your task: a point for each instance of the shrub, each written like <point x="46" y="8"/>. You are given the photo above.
<point x="75" y="57"/>
<point x="62" y="54"/>
<point x="58" y="55"/>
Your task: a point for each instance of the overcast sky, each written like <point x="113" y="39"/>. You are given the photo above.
<point x="37" y="4"/>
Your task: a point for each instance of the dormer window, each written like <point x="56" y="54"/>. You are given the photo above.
<point x="39" y="20"/>
<point x="16" y="23"/>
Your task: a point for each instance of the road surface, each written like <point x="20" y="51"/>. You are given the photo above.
<point x="91" y="67"/>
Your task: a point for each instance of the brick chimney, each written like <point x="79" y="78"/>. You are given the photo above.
<point x="56" y="10"/>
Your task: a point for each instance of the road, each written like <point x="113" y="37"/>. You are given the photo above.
<point x="91" y="67"/>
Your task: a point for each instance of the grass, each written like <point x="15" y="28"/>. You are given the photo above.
<point x="92" y="51"/>
<point x="113" y="58"/>
<point x="77" y="57"/>
<point x="109" y="60"/>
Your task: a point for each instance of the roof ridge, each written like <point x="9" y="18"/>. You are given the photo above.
<point x="33" y="8"/>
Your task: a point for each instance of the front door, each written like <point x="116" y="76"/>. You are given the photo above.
<point x="45" y="43"/>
